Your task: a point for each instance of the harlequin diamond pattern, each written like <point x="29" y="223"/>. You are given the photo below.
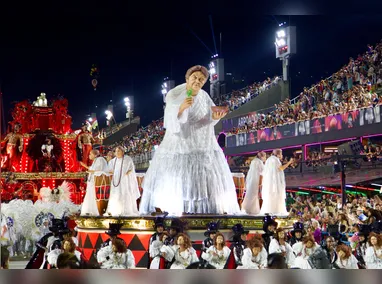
<point x="137" y="243"/>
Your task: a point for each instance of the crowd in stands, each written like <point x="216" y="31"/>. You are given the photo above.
<point x="352" y="87"/>
<point x="239" y="97"/>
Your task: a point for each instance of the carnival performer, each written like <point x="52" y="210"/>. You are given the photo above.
<point x="212" y="230"/>
<point x="346" y="260"/>
<point x="217" y="254"/>
<point x="124" y="190"/>
<point x="47" y="152"/>
<point x="155" y="241"/>
<point x="155" y="250"/>
<point x="273" y="186"/>
<point x="297" y="233"/>
<point x="8" y="233"/>
<point x="116" y="256"/>
<point x="255" y="255"/>
<point x="269" y="228"/>
<point x="279" y="245"/>
<point x="98" y="167"/>
<point x="182" y="254"/>
<point x="373" y="256"/>
<point x="113" y="232"/>
<point x="239" y="243"/>
<point x="303" y="251"/>
<point x="253" y="182"/>
<point x="189" y="172"/>
<point x="68" y="246"/>
<point x="39" y="258"/>
<point x="85" y="144"/>
<point x="12" y="140"/>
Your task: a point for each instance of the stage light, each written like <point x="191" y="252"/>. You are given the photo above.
<point x="126" y="99"/>
<point x="164" y="91"/>
<point x="90" y="119"/>
<point x="281" y="33"/>
<point x="213" y="71"/>
<point x="165" y="84"/>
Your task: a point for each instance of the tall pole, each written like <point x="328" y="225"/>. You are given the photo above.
<point x="221" y="47"/>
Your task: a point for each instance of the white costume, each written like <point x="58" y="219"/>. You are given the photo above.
<point x="219" y="260"/>
<point x="115" y="260"/>
<point x="250" y="261"/>
<point x="251" y="200"/>
<point x="89" y="206"/>
<point x="154" y="250"/>
<point x="124" y="190"/>
<point x="274" y="188"/>
<point x="373" y="258"/>
<point x="350" y="263"/>
<point x="302" y="255"/>
<point x="189" y="172"/>
<point x="182" y="259"/>
<point x="275" y="247"/>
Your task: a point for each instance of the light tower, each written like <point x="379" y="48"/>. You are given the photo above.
<point x="166" y="87"/>
<point x="217" y="83"/>
<point x="285" y="46"/>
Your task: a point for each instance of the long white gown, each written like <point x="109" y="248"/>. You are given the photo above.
<point x="89" y="206"/>
<point x="251" y="203"/>
<point x="189" y="172"/>
<point x="273" y="188"/>
<point x="275" y="247"/>
<point x="124" y="190"/>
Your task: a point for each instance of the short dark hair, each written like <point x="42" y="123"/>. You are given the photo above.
<point x="68" y="260"/>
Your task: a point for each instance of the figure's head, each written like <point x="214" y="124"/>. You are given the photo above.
<point x="262" y="156"/>
<point x="119" y="245"/>
<point x="278" y="153"/>
<point x="69" y="245"/>
<point x="196" y="77"/>
<point x="93" y="154"/>
<point x="119" y="152"/>
<point x="183" y="240"/>
<point x="309" y="241"/>
<point x="17" y="127"/>
<point x="219" y="239"/>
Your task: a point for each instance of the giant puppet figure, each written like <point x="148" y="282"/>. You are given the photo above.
<point x="85" y="143"/>
<point x="13" y="144"/>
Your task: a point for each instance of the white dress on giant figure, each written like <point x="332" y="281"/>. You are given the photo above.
<point x="189" y="172"/>
<point x="273" y="188"/>
<point x="251" y="203"/>
<point x="89" y="206"/>
<point x="124" y="190"/>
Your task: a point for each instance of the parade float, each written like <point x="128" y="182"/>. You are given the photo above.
<point x="41" y="153"/>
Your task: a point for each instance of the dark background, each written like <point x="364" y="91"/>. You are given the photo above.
<point x="51" y="50"/>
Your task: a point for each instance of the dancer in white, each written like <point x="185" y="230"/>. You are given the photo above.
<point x="124" y="190"/>
<point x="189" y="172"/>
<point x="253" y="181"/>
<point x="274" y="187"/>
<point x="98" y="167"/>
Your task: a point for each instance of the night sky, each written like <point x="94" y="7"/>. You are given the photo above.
<point x="53" y="54"/>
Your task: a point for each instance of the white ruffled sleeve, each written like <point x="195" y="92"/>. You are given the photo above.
<point x="174" y="99"/>
<point x="264" y="258"/>
<point x="246" y="260"/>
<point x="169" y="252"/>
<point x="155" y="247"/>
<point x="130" y="260"/>
<point x="103" y="253"/>
<point x="53" y="256"/>
<point x="194" y="256"/>
<point x="290" y="257"/>
<point x="274" y="247"/>
<point x="207" y="256"/>
<point x="131" y="178"/>
<point x="297" y="248"/>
